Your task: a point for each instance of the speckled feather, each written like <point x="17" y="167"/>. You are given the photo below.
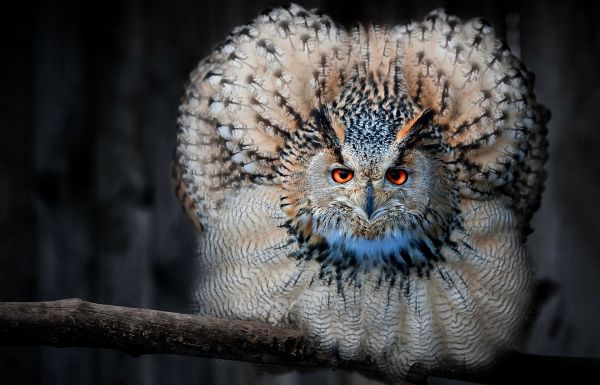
<point x="442" y="281"/>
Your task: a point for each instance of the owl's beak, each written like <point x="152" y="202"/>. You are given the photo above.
<point x="369" y="199"/>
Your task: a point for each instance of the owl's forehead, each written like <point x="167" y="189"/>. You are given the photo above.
<point x="371" y="126"/>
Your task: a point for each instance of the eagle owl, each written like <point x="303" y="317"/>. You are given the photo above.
<point x="372" y="186"/>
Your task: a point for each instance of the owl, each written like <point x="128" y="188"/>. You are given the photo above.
<point x="372" y="187"/>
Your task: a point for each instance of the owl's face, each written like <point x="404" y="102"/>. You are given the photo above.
<point x="375" y="193"/>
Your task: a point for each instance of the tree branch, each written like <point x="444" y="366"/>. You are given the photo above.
<point x="73" y="322"/>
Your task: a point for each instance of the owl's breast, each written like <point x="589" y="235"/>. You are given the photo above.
<point x="467" y="309"/>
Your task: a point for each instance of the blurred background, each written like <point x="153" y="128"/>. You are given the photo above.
<point x="87" y="134"/>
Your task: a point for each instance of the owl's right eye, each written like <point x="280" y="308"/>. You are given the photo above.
<point x="342" y="175"/>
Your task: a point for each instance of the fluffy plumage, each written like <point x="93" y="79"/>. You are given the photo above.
<point x="432" y="272"/>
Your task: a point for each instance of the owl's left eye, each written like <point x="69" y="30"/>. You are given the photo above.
<point x="396" y="176"/>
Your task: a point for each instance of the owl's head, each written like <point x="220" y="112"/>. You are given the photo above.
<point x="377" y="191"/>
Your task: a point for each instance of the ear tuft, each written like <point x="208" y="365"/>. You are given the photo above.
<point x="414" y="125"/>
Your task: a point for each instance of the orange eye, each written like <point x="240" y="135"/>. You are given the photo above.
<point x="342" y="175"/>
<point x="396" y="176"/>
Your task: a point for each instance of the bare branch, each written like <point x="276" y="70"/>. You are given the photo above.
<point x="73" y="322"/>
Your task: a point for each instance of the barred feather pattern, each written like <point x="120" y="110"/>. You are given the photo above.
<point x="251" y="122"/>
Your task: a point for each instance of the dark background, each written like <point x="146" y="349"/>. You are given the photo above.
<point x="89" y="101"/>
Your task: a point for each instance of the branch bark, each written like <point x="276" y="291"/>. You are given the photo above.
<point x="73" y="322"/>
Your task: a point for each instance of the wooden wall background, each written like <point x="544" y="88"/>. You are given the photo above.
<point x="89" y="100"/>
